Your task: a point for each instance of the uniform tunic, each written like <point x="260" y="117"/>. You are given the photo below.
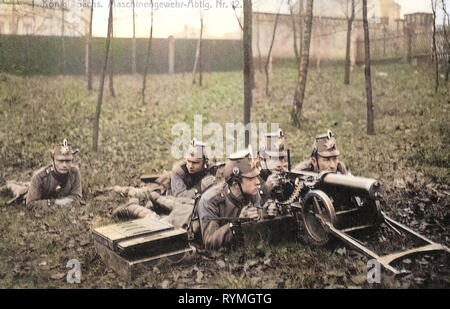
<point x="218" y="202"/>
<point x="47" y="185"/>
<point x="184" y="184"/>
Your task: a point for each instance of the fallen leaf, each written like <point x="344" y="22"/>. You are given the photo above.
<point x="220" y="263"/>
<point x="335" y="286"/>
<point x="336" y="273"/>
<point x="359" y="279"/>
<point x="57" y="276"/>
<point x="71" y="244"/>
<point x="165" y="284"/>
<point x="399" y="183"/>
<point x="251" y="263"/>
<point x="199" y="277"/>
<point x="341" y="251"/>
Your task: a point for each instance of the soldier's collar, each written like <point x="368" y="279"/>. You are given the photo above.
<point x="237" y="198"/>
<point x="59" y="177"/>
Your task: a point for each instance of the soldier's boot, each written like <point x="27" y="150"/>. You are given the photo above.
<point x="170" y="203"/>
<point x="150" y="205"/>
<point x="132" y="210"/>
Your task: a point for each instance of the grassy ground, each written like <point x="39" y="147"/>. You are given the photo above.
<point x="409" y="154"/>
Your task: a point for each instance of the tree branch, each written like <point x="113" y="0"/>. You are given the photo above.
<point x="235" y="13"/>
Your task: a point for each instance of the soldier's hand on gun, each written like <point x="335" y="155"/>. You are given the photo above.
<point x="250" y="212"/>
<point x="272" y="210"/>
<point x="63" y="202"/>
<point x="272" y="181"/>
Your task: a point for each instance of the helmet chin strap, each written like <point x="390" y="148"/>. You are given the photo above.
<point x="54" y="166"/>
<point x="244" y="196"/>
<point x="55" y="169"/>
<point x="240" y="190"/>
<point x="265" y="164"/>
<point x="317" y="162"/>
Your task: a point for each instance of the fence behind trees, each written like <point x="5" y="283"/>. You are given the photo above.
<point x="408" y="46"/>
<point x="44" y="55"/>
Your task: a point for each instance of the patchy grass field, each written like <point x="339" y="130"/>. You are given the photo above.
<point x="409" y="154"/>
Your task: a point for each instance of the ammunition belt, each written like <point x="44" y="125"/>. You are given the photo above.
<point x="294" y="196"/>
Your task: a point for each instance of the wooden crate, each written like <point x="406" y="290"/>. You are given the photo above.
<point x="132" y="247"/>
<point x="110" y="235"/>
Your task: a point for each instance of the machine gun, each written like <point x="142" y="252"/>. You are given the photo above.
<point x="329" y="204"/>
<point x="347" y="202"/>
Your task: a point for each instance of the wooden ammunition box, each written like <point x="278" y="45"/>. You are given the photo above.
<point x="153" y="245"/>
<point x="111" y="235"/>
<point x="135" y="246"/>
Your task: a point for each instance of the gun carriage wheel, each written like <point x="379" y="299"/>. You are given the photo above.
<point x="317" y="209"/>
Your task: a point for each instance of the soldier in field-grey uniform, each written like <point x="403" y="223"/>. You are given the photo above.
<point x="237" y="197"/>
<point x="56" y="185"/>
<point x="187" y="175"/>
<point x="324" y="156"/>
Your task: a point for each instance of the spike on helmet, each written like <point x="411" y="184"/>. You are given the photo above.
<point x="325" y="145"/>
<point x="274" y="145"/>
<point x="63" y="151"/>
<point x="196" y="151"/>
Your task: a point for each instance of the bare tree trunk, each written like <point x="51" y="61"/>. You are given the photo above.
<point x="200" y="69"/>
<point x="14" y="19"/>
<point x="408" y="33"/>
<point x="89" y="50"/>
<point x="436" y="60"/>
<point x="318" y="43"/>
<point x="248" y="59"/>
<point x="269" y="54"/>
<point x="446" y="37"/>
<point x="300" y="29"/>
<point x="303" y="73"/>
<point x="294" y="30"/>
<point x="252" y="73"/>
<point x="63" y="44"/>
<point x="194" y="70"/>
<point x="198" y="57"/>
<point x="147" y="59"/>
<point x="258" y="45"/>
<point x="252" y="69"/>
<point x="133" y="46"/>
<point x="102" y="80"/>
<point x="349" y="41"/>
<point x="370" y="112"/>
<point x="111" y="61"/>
